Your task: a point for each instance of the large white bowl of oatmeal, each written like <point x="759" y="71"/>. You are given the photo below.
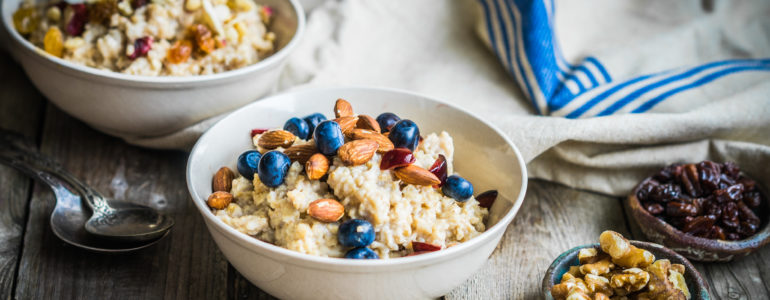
<point x="273" y="238"/>
<point x="142" y="68"/>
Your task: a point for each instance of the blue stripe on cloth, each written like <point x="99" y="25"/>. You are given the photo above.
<point x="590" y="76"/>
<point x="602" y="70"/>
<point x="637" y="93"/>
<point x="591" y="103"/>
<point x="706" y="79"/>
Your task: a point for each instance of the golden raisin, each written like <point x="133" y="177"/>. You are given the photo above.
<point x="179" y="52"/>
<point x="25" y="20"/>
<point x="53" y="42"/>
<point x="203" y="38"/>
<point x="102" y="11"/>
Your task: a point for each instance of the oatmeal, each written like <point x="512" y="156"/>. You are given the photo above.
<point x="151" y="37"/>
<point x="366" y="188"/>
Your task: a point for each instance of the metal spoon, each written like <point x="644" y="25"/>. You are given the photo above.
<point x="112" y="227"/>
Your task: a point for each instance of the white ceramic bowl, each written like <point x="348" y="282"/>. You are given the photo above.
<point x="483" y="155"/>
<point x="139" y="106"/>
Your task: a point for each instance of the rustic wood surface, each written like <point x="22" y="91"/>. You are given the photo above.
<point x="34" y="264"/>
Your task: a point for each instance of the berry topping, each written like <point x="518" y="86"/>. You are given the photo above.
<point x="328" y="137"/>
<point x="273" y="167"/>
<point x="361" y="253"/>
<point x="486" y="199"/>
<point x="356" y="233"/>
<point x="256" y="131"/>
<point x="439" y="169"/>
<point x="458" y="188"/>
<point x="248" y="162"/>
<point x="397" y="157"/>
<point x="298" y="127"/>
<point x="405" y="134"/>
<point x="141" y="47"/>
<point x="313" y="121"/>
<point x="387" y="120"/>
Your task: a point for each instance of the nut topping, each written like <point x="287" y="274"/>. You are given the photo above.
<point x="326" y="210"/>
<point x="316" y="166"/>
<point x="223" y="180"/>
<point x="342" y="108"/>
<point x="368" y="123"/>
<point x="301" y="153"/>
<point x="276" y="138"/>
<point x="412" y="174"/>
<point x="357" y="152"/>
<point x="384" y="143"/>
<point x="219" y="200"/>
<point x="347" y="124"/>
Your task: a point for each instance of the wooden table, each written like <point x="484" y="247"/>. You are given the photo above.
<point x="35" y="264"/>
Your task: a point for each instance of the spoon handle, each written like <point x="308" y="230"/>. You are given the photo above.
<point x="17" y="152"/>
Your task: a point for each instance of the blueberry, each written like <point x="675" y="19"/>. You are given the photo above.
<point x="405" y="134"/>
<point x="356" y="233"/>
<point x="313" y="121"/>
<point x="387" y="120"/>
<point x="273" y="168"/>
<point x="361" y="253"/>
<point x="298" y="127"/>
<point x="248" y="162"/>
<point x="328" y="137"/>
<point x="457" y="188"/>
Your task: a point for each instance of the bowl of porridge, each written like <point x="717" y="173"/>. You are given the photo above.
<point x="142" y="68"/>
<point x="355" y="193"/>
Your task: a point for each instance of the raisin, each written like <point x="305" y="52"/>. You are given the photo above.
<point x="203" y="39"/>
<point x="25" y="20"/>
<point x="749" y="185"/>
<point x="668" y="173"/>
<point x="681" y="209"/>
<point x="654" y="208"/>
<point x="708" y="174"/>
<point x="645" y="189"/>
<point x="53" y="42"/>
<point x="138" y="3"/>
<point x="716" y="232"/>
<point x="752" y="199"/>
<point x="102" y="11"/>
<point x="699" y="226"/>
<point x="179" y="52"/>
<point x="665" y="192"/>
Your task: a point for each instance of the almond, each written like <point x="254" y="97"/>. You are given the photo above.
<point x="384" y="143"/>
<point x="357" y="152"/>
<point x="346" y="124"/>
<point x="219" y="200"/>
<point x="342" y="108"/>
<point x="301" y="153"/>
<point x="412" y="174"/>
<point x="326" y="210"/>
<point x="276" y="138"/>
<point x="367" y="122"/>
<point x="223" y="180"/>
<point x="316" y="166"/>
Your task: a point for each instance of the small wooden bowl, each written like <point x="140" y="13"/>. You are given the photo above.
<point x="692" y="247"/>
<point x="698" y="287"/>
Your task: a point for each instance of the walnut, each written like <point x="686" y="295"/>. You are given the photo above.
<point x="598" y="268"/>
<point x="679" y="268"/>
<point x="630" y="280"/>
<point x="565" y="288"/>
<point x="677" y="280"/>
<point x="598" y="284"/>
<point x="636" y="258"/>
<point x="622" y="252"/>
<point x="660" y="286"/>
<point x="585" y="255"/>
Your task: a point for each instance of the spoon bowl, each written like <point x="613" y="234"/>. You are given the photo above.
<point x="129" y="222"/>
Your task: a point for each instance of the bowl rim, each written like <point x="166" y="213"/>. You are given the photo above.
<point x="549" y="276"/>
<point x="158" y="81"/>
<point x="318" y="262"/>
<point x="674" y="236"/>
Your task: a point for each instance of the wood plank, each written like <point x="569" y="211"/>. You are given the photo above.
<point x="21" y="108"/>
<point x="186" y="265"/>
<point x="553" y="219"/>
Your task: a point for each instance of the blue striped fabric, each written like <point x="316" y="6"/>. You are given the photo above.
<point x="522" y="36"/>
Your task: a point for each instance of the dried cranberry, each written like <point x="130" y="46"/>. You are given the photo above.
<point x="141" y="47"/>
<point x="708" y="173"/>
<point x="256" y="131"/>
<point x="439" y="169"/>
<point x="398" y="157"/>
<point x="420" y="246"/>
<point x="654" y="208"/>
<point x="486" y="199"/>
<point x="77" y="23"/>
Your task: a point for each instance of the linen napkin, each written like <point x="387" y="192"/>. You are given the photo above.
<point x="596" y="94"/>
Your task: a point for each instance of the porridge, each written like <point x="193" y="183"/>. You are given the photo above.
<point x="343" y="188"/>
<point x="150" y="37"/>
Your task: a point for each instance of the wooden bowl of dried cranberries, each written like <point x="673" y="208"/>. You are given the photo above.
<point x="706" y="211"/>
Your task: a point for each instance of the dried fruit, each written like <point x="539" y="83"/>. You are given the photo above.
<point x="53" y="42"/>
<point x="25" y="20"/>
<point x="203" y="38"/>
<point x="654" y="208"/>
<point x="266" y="12"/>
<point x="368" y="123"/>
<point x="681" y="209"/>
<point x="256" y="131"/>
<point x="357" y="152"/>
<point x="384" y="144"/>
<point x="76" y="16"/>
<point x="415" y="175"/>
<point x="223" y="180"/>
<point x="699" y="226"/>
<point x="439" y="169"/>
<point x="138" y="3"/>
<point x="180" y="52"/>
<point x="347" y="124"/>
<point x="397" y="157"/>
<point x="486" y="199"/>
<point x="420" y="246"/>
<point x="141" y="47"/>
<point x="342" y="108"/>
<point x="316" y="166"/>
<point x="276" y="138"/>
<point x="219" y="200"/>
<point x="301" y="153"/>
<point x="101" y="12"/>
<point x="326" y="210"/>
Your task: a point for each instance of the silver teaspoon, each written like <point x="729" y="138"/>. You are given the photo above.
<point x="112" y="226"/>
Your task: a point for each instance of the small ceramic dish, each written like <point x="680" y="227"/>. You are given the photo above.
<point x="698" y="287"/>
<point x="147" y="106"/>
<point x="692" y="247"/>
<point x="482" y="154"/>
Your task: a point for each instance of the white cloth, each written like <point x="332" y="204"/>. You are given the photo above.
<point x="431" y="47"/>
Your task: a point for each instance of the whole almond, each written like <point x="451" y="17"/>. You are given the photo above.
<point x="316" y="166"/>
<point x="357" y="152"/>
<point x="346" y="124"/>
<point x="222" y="180"/>
<point x="342" y="108"/>
<point x="367" y="122"/>
<point x="276" y="138"/>
<point x="219" y="200"/>
<point x="326" y="210"/>
<point x="412" y="174"/>
<point x="301" y="153"/>
<point x="384" y="143"/>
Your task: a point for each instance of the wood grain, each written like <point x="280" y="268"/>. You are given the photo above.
<point x="553" y="219"/>
<point x="20" y="111"/>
